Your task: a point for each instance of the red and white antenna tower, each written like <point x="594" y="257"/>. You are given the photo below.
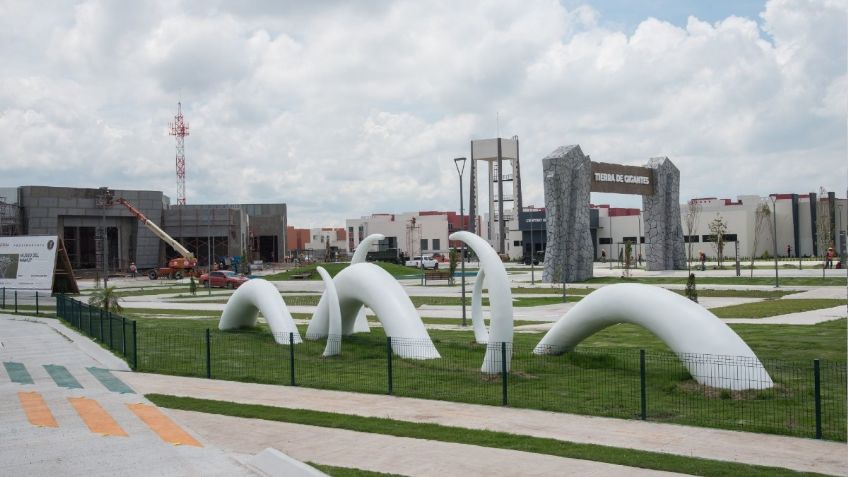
<point x="179" y="129"/>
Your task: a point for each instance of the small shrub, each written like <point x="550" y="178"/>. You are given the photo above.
<point x="691" y="290"/>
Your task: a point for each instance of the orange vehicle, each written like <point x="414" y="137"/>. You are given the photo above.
<point x="177" y="268"/>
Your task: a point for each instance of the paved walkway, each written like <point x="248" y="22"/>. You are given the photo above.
<point x="811" y="317"/>
<point x="64" y="412"/>
<point x="763" y="449"/>
<point x="388" y="454"/>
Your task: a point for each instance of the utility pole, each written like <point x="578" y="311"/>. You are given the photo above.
<point x="774" y="237"/>
<point x="459" y="162"/>
<point x="104" y="200"/>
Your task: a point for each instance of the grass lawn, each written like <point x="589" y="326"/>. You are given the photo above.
<point x="768" y="308"/>
<point x="702" y="280"/>
<point x="347" y="472"/>
<point x="600" y="378"/>
<point x="334" y="268"/>
<point x="499" y="440"/>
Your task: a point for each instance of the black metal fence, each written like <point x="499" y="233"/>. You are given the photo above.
<point x="805" y="398"/>
<point x="28" y="302"/>
<point x="113" y="331"/>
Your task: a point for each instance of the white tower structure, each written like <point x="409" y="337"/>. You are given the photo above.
<point x="504" y="193"/>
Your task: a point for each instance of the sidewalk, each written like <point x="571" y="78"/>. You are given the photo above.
<point x="761" y="449"/>
<point x="62" y="412"/>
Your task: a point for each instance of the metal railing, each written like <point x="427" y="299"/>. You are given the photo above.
<point x="25" y="302"/>
<point x="115" y="332"/>
<point x="807" y="399"/>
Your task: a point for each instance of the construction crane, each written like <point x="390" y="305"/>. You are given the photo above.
<point x="178" y="267"/>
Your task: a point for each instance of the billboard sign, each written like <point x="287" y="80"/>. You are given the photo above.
<point x="622" y="179"/>
<point x="28" y="262"/>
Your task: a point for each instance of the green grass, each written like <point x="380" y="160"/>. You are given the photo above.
<point x="334" y="268"/>
<point x="768" y="308"/>
<point x="702" y="280"/>
<point x="600" y="378"/>
<point x="348" y="472"/>
<point x="499" y="440"/>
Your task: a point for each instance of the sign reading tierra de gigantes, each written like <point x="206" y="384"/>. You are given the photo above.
<point x="622" y="179"/>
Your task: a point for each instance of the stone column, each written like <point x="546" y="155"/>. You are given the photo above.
<point x="663" y="229"/>
<point x="567" y="178"/>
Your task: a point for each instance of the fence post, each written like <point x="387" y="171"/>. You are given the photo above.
<point x="36" y="302"/>
<point x="817" y="394"/>
<point x="124" y="336"/>
<point x="4" y="298"/>
<point x="389" y="362"/>
<point x="90" y="320"/>
<point x="504" y="375"/>
<point x="208" y="355"/>
<point x="111" y="336"/>
<point x="291" y="358"/>
<point x="100" y="325"/>
<point x="16" y="302"/>
<point x="135" y="345"/>
<point x="643" y="395"/>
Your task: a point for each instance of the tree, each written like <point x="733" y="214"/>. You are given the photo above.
<point x="762" y="214"/>
<point x="106" y="298"/>
<point x="718" y="227"/>
<point x="453" y="256"/>
<point x="693" y="213"/>
<point x="628" y="258"/>
<point x="691" y="291"/>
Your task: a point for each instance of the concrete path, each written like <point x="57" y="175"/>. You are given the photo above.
<point x="388" y="454"/>
<point x="811" y="317"/>
<point x="64" y="420"/>
<point x="762" y="449"/>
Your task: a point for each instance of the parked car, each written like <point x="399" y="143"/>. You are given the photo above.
<point x="428" y="261"/>
<point x="222" y="279"/>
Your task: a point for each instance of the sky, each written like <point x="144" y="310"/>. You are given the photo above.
<point x="343" y="109"/>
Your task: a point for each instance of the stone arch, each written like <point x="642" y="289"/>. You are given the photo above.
<point x="701" y="340"/>
<point x="243" y="307"/>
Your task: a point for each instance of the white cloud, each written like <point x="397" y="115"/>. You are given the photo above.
<point x="341" y="110"/>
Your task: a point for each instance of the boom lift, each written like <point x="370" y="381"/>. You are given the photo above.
<point x="178" y="267"/>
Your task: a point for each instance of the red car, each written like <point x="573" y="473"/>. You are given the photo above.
<point x="222" y="279"/>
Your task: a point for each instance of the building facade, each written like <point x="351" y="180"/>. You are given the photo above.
<point x="412" y="233"/>
<point x="76" y="216"/>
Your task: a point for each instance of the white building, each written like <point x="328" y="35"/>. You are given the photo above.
<point x="799" y="219"/>
<point x="412" y="233"/>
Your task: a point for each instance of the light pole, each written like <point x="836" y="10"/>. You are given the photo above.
<point x="532" y="255"/>
<point x="104" y="200"/>
<point x="774" y="237"/>
<point x="459" y="162"/>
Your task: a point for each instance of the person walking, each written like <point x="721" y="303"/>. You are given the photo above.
<point x="828" y="263"/>
<point x="603" y="256"/>
<point x="702" y="257"/>
<point x="788" y="251"/>
<point x="133" y="270"/>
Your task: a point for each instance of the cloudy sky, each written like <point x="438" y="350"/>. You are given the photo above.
<point x="341" y="109"/>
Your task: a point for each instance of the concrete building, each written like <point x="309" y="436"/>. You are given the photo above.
<point x="413" y="233"/>
<point x="74" y="215"/>
<point x="800" y="221"/>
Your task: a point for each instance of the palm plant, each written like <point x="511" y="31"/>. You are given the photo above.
<point x="106" y="298"/>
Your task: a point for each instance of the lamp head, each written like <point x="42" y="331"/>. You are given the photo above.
<point x="459" y="162"/>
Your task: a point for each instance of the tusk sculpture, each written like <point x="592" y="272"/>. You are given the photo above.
<point x="500" y="302"/>
<point x="697" y="336"/>
<point x="244" y="305"/>
<point x="481" y="334"/>
<point x="334" y="340"/>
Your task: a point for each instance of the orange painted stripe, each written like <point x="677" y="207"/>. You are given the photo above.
<point x="169" y="431"/>
<point x="96" y="418"/>
<point x="36" y="410"/>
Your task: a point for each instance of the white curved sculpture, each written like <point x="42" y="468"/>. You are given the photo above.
<point x="500" y="301"/>
<point x="699" y="338"/>
<point x="361" y="324"/>
<point x="367" y="284"/>
<point x="334" y="340"/>
<point x="481" y="334"/>
<point x="244" y="305"/>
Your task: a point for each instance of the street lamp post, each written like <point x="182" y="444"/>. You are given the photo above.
<point x="459" y="162"/>
<point x="532" y="255"/>
<point x="774" y="237"/>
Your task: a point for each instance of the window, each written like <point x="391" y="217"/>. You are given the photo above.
<point x="707" y="238"/>
<point x="424" y="245"/>
<point x="729" y="237"/>
<point x="437" y="244"/>
<point x="629" y="239"/>
<point x="604" y="240"/>
<point x="690" y="238"/>
<point x="516" y="243"/>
